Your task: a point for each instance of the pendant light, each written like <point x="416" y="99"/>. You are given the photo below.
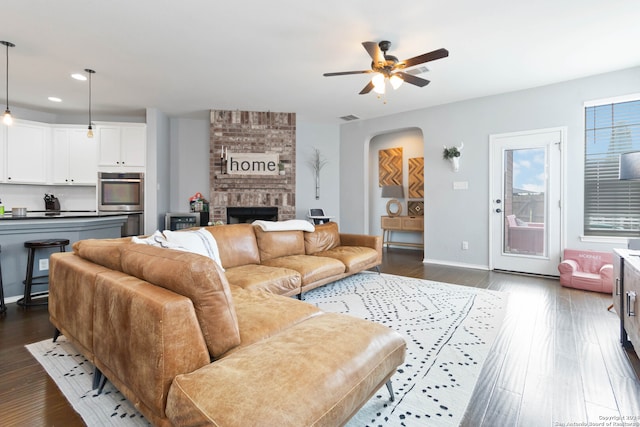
<point x="90" y="129"/>
<point x="7" y="119"/>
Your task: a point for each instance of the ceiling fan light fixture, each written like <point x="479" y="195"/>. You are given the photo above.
<point x="378" y="83"/>
<point x="90" y="128"/>
<point x="389" y="67"/>
<point x="396" y="81"/>
<point x="7" y="119"/>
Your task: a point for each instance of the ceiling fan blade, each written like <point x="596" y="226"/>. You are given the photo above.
<point x="374" y="52"/>
<point x="344" y="73"/>
<point x="425" y="57"/>
<point x="410" y="78"/>
<point x="367" y="88"/>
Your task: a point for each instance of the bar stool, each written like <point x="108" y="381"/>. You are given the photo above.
<point x="32" y="246"/>
<point x="3" y="306"/>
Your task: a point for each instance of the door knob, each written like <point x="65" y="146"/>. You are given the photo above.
<point x="498" y="210"/>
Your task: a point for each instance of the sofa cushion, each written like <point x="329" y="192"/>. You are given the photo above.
<point x="262" y="314"/>
<point x="274" y="244"/>
<point x="325" y="237"/>
<point x="105" y="252"/>
<point x="332" y="377"/>
<point x="355" y="258"/>
<point x="311" y="268"/>
<point x="281" y="281"/>
<point x="196" y="277"/>
<point x="236" y="243"/>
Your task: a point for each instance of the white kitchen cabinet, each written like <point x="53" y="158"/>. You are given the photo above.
<point x="3" y="151"/>
<point x="74" y="157"/>
<point x="122" y="147"/>
<point x="26" y="153"/>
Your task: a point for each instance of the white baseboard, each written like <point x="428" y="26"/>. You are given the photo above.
<point x="455" y="264"/>
<point x="9" y="300"/>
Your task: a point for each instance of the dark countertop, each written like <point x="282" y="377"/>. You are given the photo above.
<point x="61" y="214"/>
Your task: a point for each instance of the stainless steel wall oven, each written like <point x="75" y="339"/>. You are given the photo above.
<point x="123" y="192"/>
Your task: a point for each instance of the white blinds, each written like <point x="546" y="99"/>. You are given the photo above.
<point x="611" y="206"/>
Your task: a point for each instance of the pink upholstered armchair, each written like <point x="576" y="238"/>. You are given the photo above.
<point x="588" y="270"/>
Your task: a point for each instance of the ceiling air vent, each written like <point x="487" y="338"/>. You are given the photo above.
<point x="349" y="118"/>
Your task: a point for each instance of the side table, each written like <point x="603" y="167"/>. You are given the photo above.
<point x="401" y="223"/>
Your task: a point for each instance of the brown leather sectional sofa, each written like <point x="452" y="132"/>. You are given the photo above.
<point x="190" y="344"/>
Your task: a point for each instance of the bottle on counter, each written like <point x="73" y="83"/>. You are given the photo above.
<point x="1" y="208"/>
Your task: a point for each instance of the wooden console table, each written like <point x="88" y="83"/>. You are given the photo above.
<point x="626" y="295"/>
<point x="401" y="223"/>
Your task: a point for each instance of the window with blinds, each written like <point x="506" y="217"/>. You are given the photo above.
<point x="611" y="206"/>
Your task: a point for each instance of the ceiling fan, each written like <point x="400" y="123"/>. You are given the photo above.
<point x="389" y="67"/>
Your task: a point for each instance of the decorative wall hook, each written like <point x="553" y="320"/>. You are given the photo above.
<point x="453" y="155"/>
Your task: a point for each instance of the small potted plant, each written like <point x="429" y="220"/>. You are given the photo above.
<point x="281" y="168"/>
<point x="453" y="155"/>
<point x="450" y="153"/>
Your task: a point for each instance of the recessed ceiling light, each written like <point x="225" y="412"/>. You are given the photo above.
<point x="79" y="76"/>
<point x="54" y="99"/>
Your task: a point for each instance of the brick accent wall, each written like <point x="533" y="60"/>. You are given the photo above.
<point x="252" y="132"/>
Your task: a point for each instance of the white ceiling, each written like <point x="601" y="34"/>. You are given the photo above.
<point x="187" y="57"/>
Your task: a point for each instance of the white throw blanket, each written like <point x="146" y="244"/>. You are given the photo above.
<point x="288" y="225"/>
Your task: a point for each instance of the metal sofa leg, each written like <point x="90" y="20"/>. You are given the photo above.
<point x="97" y="376"/>
<point x="102" y="384"/>
<point x="390" y="388"/>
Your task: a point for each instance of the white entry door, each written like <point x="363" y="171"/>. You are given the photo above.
<point x="526" y="184"/>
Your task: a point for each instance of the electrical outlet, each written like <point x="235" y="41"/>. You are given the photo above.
<point x="43" y="264"/>
<point x="465" y="245"/>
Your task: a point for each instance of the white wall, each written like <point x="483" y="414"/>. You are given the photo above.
<point x="326" y="139"/>
<point x="453" y="216"/>
<point x="189" y="165"/>
<point x="158" y="177"/>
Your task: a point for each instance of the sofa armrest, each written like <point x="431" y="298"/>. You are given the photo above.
<point x="373" y="242"/>
<point x="606" y="271"/>
<point x="145" y="335"/>
<point x="568" y="266"/>
<point x="363" y="240"/>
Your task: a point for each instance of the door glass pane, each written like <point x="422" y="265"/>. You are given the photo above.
<point x="525" y="202"/>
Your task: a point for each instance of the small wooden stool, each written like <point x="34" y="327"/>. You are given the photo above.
<point x="32" y="246"/>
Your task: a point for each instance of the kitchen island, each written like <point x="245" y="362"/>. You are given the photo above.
<point x="72" y="225"/>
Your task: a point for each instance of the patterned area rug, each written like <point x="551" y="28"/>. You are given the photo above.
<point x="449" y="330"/>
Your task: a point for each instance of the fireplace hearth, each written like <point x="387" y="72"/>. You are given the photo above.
<point x="239" y="215"/>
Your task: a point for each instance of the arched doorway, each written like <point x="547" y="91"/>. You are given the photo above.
<point x="411" y="141"/>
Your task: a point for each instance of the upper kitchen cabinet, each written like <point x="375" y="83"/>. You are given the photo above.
<point x="26" y="153"/>
<point x="74" y="157"/>
<point x="122" y="146"/>
<point x="3" y="151"/>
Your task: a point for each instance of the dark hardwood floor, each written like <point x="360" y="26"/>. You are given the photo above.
<point x="557" y="359"/>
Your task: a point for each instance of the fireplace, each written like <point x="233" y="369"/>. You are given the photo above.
<point x="250" y="214"/>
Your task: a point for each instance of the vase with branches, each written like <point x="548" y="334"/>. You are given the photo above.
<point x="317" y="162"/>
